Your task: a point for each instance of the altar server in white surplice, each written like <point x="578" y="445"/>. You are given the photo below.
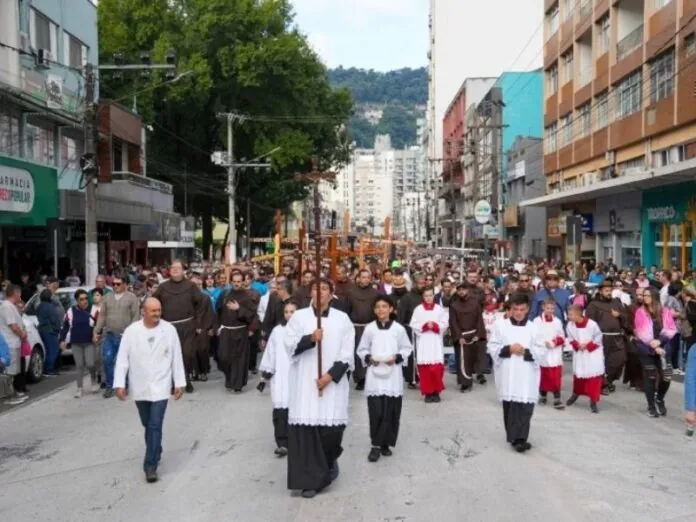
<point x="383" y="348"/>
<point x="275" y="366"/>
<point x="516" y="349"/>
<point x="317" y="422"/>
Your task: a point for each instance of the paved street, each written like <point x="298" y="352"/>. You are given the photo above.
<point x="45" y="386"/>
<point x="68" y="460"/>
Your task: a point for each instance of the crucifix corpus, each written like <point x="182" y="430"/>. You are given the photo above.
<point x="315" y="176"/>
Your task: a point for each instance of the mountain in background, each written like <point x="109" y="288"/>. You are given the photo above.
<point x="385" y="103"/>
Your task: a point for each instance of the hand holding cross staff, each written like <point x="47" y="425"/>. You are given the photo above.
<point x="315" y="177"/>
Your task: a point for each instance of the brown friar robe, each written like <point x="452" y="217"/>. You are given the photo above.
<point x="466" y="323"/>
<point x="303" y="296"/>
<point x="233" y="348"/>
<point x="183" y="305"/>
<point x="254" y="330"/>
<point x="633" y="372"/>
<point x="614" y="330"/>
<point x="207" y="328"/>
<point x="360" y="307"/>
<point x="343" y="288"/>
<point x="404" y="312"/>
<point x="396" y="294"/>
<point x="275" y="311"/>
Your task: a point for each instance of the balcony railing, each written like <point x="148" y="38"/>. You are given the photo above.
<point x="629" y="43"/>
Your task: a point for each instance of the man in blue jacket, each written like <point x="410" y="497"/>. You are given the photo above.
<point x="550" y="289"/>
<point x="690" y="389"/>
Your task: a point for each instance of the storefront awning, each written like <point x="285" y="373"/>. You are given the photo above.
<point x="170" y="244"/>
<point x="667" y="175"/>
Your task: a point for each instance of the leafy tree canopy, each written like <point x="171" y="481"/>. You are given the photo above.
<point x="406" y="86"/>
<point x="246" y="57"/>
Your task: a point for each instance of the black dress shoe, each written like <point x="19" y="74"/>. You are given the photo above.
<point x="428" y="398"/>
<point x="520" y="446"/>
<point x="593" y="407"/>
<point x="360" y="386"/>
<point x="374" y="455"/>
<point x="481" y="379"/>
<point x="661" y="408"/>
<point x="309" y="493"/>
<point x="571" y="400"/>
<point x="333" y="471"/>
<point x="436" y="397"/>
<point x="189" y="387"/>
<point x="386" y="452"/>
<point x="151" y="476"/>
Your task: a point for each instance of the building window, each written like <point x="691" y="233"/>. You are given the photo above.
<point x="117" y="156"/>
<point x="690" y="44"/>
<point x="662" y="77"/>
<point x="566" y="129"/>
<point x="602" y="104"/>
<point x="9" y="134"/>
<point x="585" y="115"/>
<point x="659" y="4"/>
<point x="568" y="9"/>
<point x="44" y="33"/>
<point x="39" y="145"/>
<point x="603" y="35"/>
<point x="629" y="96"/>
<point x="75" y="52"/>
<point x="568" y="72"/>
<point x="552" y="80"/>
<point x="552" y="20"/>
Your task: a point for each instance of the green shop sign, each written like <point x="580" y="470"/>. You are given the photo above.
<point x="665" y="213"/>
<point x="28" y="193"/>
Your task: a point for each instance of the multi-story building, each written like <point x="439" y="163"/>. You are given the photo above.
<point x="525" y="227"/>
<point x="44" y="45"/>
<point x="455" y="128"/>
<point x="620" y="121"/>
<point x="413" y="209"/>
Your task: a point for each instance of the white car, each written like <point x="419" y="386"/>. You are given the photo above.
<point x="66" y="296"/>
<point x="35" y="366"/>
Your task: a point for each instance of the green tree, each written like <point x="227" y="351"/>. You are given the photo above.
<point x="247" y="57"/>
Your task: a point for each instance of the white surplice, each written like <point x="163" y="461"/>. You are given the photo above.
<point x="587" y="364"/>
<point x="516" y="380"/>
<point x="429" y="346"/>
<point x="305" y="406"/>
<point x="152" y="360"/>
<point x="550" y="331"/>
<point x="382" y="343"/>
<point x="275" y="360"/>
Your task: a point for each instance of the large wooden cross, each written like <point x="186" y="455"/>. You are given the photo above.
<point x="315" y="176"/>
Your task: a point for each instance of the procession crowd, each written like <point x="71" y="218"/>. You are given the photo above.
<point x="386" y="328"/>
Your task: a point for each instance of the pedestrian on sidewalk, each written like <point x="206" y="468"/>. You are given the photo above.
<point x="119" y="310"/>
<point x="50" y="317"/>
<point x="13" y="332"/>
<point x="150" y="357"/>
<point x="79" y="325"/>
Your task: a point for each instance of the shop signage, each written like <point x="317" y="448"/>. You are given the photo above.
<point x="552" y="227"/>
<point x="482" y="211"/>
<point x="16" y="190"/>
<point x="587" y="223"/>
<point x="667" y="213"/>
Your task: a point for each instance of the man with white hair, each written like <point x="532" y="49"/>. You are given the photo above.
<point x="150" y="357"/>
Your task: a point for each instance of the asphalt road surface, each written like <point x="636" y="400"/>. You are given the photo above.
<point x="63" y="459"/>
<point x="45" y="386"/>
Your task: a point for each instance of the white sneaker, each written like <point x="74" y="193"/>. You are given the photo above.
<point x="16" y="400"/>
<point x="21" y="394"/>
<point x="78" y="393"/>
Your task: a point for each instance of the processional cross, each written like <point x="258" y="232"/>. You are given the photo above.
<point x="315" y="176"/>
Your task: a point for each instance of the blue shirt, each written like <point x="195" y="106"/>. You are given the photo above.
<point x="690" y="382"/>
<point x="5" y="354"/>
<point x="596" y="278"/>
<point x="260" y="287"/>
<point x="561" y="296"/>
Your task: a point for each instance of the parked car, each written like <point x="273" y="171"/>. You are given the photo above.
<point x="35" y="367"/>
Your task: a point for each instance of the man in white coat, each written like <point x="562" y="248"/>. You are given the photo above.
<point x="150" y="358"/>
<point x="516" y="349"/>
<point x="318" y="404"/>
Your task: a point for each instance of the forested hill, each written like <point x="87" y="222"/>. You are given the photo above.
<point x="386" y="103"/>
<point x="404" y="86"/>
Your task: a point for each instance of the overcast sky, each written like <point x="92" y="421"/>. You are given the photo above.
<point x="389" y="34"/>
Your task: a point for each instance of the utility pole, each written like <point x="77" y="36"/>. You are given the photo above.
<point x="227" y="160"/>
<point x="90" y="172"/>
<point x="88" y="162"/>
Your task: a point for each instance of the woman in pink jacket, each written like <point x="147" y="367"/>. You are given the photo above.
<point x="654" y="328"/>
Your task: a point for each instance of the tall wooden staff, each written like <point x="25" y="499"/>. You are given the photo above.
<point x="315" y="177"/>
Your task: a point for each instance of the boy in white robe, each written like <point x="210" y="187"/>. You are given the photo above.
<point x="317" y="404"/>
<point x="383" y="348"/>
<point x="274" y="367"/>
<point x="552" y="335"/>
<point x="428" y="324"/>
<point x="516" y="351"/>
<point x="585" y="337"/>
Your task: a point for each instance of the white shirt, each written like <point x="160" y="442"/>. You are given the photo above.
<point x="10" y="315"/>
<point x="587" y="364"/>
<point x="151" y="358"/>
<point x="429" y="345"/>
<point x="664" y="294"/>
<point x="305" y="406"/>
<point x="516" y="380"/>
<point x="275" y="360"/>
<point x="381" y="343"/>
<point x="263" y="304"/>
<point x="549" y="331"/>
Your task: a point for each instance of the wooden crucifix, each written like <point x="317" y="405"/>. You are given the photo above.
<point x="315" y="176"/>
